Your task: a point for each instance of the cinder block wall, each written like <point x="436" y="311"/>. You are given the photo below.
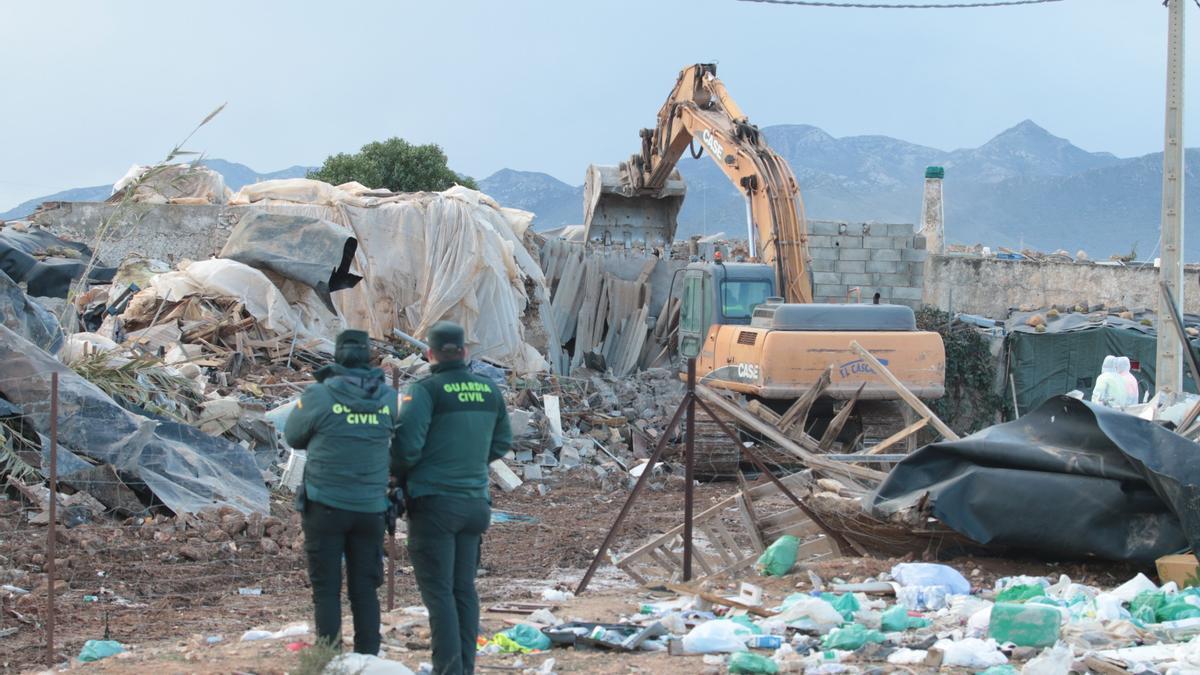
<point x="884" y="258"/>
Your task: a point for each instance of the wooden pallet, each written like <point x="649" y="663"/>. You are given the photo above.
<point x="727" y="537"/>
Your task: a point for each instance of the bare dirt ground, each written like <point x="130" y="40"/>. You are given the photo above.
<point x="166" y="607"/>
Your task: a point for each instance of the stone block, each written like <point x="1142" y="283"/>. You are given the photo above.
<point x="835" y="291"/>
<point x="819" y="265"/>
<point x="919" y="243"/>
<point x="824" y="227"/>
<point x="846" y="241"/>
<point x="899" y="230"/>
<point x="827" y="278"/>
<point x="820" y="241"/>
<point x="902" y="242"/>
<point x="858" y="279"/>
<point x="895" y="280"/>
<point x="854" y="254"/>
<point x="889" y="254"/>
<point x="823" y="253"/>
<point x="907" y="293"/>
<point x="882" y="266"/>
<point x="878" y="242"/>
<point x="914" y="255"/>
<point x="853" y="266"/>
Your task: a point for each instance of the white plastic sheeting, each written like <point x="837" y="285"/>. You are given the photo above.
<point x="174" y="184"/>
<point x="424" y="257"/>
<point x="288" y="308"/>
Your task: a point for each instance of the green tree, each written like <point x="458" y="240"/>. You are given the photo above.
<point x="394" y="164"/>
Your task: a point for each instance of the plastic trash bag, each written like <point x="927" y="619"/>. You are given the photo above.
<point x="779" y="557"/>
<point x="1027" y="625"/>
<point x="931" y="574"/>
<point x="896" y="619"/>
<point x="1020" y="593"/>
<point x="746" y="662"/>
<point x="971" y="653"/>
<point x="846" y="604"/>
<point x="528" y="637"/>
<point x="851" y="637"/>
<point x="365" y="664"/>
<point x="802" y="608"/>
<point x="1054" y="661"/>
<point x="94" y="650"/>
<point x="716" y="636"/>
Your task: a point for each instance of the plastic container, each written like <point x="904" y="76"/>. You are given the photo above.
<point x="1028" y="625"/>
<point x="765" y="642"/>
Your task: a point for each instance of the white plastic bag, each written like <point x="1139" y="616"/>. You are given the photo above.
<point x="931" y="574"/>
<point x="971" y="653"/>
<point x="1056" y="660"/>
<point x="716" y="636"/>
<point x="907" y="657"/>
<point x="816" y="611"/>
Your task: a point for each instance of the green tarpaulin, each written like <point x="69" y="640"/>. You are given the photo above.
<point x="1044" y="365"/>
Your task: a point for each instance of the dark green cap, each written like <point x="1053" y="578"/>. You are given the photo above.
<point x="935" y="172"/>
<point x="446" y="339"/>
<point x="353" y="349"/>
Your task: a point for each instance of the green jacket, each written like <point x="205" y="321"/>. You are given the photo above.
<point x="345" y="421"/>
<point x="452" y="425"/>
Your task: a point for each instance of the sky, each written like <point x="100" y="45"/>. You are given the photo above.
<point x="90" y="87"/>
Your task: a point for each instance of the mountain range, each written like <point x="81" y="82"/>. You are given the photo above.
<point x="1025" y="188"/>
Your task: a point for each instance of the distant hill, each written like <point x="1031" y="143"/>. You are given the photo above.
<point x="1025" y="187"/>
<point x="236" y="175"/>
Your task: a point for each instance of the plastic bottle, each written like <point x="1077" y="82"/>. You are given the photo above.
<point x="1028" y="625"/>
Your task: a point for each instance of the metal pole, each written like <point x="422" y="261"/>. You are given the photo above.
<point x="637" y="488"/>
<point x="1169" y="366"/>
<point x="52" y="530"/>
<point x="390" y="549"/>
<point x="689" y="472"/>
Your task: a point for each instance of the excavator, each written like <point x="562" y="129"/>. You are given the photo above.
<point x="752" y="325"/>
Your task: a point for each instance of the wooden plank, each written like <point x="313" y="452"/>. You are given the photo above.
<point x="764" y="413"/>
<point x="628" y="569"/>
<point x="897" y="437"/>
<point x="713" y="538"/>
<point x="806" y="454"/>
<point x="839" y="420"/>
<point x="797" y="414"/>
<point x="815" y="547"/>
<point x="718" y="600"/>
<point x="909" y="397"/>
<point x="746" y="514"/>
<point x="725" y="535"/>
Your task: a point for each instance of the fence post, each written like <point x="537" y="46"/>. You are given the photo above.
<point x="52" y="528"/>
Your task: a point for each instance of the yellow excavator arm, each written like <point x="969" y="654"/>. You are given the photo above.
<point x="700" y="111"/>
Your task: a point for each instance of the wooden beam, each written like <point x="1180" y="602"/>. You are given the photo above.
<point x="798" y="412"/>
<point x="909" y="397"/>
<point x="805" y="452"/>
<point x="718" y="600"/>
<point x="898" y="436"/>
<point x="839" y="420"/>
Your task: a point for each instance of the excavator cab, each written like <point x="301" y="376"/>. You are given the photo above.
<point x="722" y="294"/>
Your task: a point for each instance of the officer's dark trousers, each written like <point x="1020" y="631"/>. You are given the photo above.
<point x="329" y="534"/>
<point x="444" y="537"/>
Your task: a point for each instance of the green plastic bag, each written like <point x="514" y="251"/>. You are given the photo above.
<point x="94" y="650"/>
<point x="1005" y="669"/>
<point x="851" y="637"/>
<point x="1176" y="609"/>
<point x="1020" y="593"/>
<point x="846" y="604"/>
<point x="1025" y="625"/>
<point x="896" y="619"/>
<point x="779" y="557"/>
<point x="1144" y="607"/>
<point x="745" y="621"/>
<point x="528" y="637"/>
<point x="749" y="662"/>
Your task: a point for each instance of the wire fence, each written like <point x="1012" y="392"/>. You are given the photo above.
<point x="87" y="550"/>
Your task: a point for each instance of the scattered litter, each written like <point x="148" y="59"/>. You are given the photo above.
<point x="364" y="664"/>
<point x="294" y="630"/>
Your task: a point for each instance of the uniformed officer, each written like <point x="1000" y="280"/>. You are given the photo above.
<point x="452" y="425"/>
<point x="345" y="421"/>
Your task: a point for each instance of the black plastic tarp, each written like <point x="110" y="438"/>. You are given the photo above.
<point x="27" y="318"/>
<point x="185" y="468"/>
<point x="313" y="251"/>
<point x="46" y="264"/>
<point x="1067" y="480"/>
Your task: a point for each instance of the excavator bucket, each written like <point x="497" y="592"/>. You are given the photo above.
<point x="616" y="212"/>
